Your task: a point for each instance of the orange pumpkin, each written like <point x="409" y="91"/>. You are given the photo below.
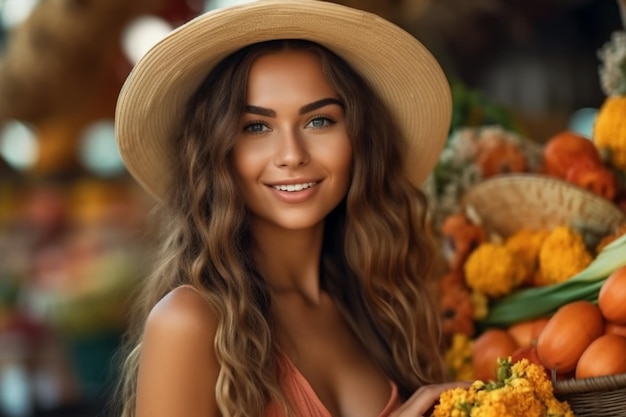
<point x="593" y="177"/>
<point x="606" y="355"/>
<point x="527" y="332"/>
<point x="503" y="157"/>
<point x="461" y="236"/>
<point x="456" y="310"/>
<point x="612" y="296"/>
<point x="567" y="334"/>
<point x="487" y="348"/>
<point x="565" y="149"/>
<point x="530" y="353"/>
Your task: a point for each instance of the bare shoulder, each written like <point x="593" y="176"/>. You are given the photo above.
<point x="183" y="310"/>
<point x="178" y="369"/>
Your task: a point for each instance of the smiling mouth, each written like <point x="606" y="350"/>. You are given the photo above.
<point x="294" y="187"/>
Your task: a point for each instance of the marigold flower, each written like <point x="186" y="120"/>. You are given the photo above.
<point x="522" y="389"/>
<point x="492" y="269"/>
<point x="563" y="254"/>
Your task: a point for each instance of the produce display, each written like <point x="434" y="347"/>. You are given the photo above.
<point x="551" y="325"/>
<point x="534" y="242"/>
<point x="542" y="300"/>
<point x="536" y="271"/>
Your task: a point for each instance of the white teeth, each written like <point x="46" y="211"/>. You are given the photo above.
<point x="294" y="187"/>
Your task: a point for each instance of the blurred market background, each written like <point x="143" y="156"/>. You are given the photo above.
<point x="74" y="234"/>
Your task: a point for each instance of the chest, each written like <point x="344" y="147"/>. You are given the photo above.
<point x="330" y="364"/>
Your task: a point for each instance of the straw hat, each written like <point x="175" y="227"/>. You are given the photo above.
<point x="398" y="67"/>
<point x="506" y="203"/>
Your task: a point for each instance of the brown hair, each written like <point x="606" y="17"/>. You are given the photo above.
<point x="376" y="256"/>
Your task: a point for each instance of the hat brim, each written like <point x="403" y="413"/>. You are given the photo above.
<point x="398" y="67"/>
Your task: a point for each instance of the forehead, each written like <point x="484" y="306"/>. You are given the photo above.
<point x="282" y="72"/>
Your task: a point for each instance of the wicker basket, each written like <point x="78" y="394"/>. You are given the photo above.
<point x="506" y="203"/>
<point x="594" y="397"/>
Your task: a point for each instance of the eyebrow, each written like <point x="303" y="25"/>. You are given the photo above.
<point x="320" y="103"/>
<point x="262" y="111"/>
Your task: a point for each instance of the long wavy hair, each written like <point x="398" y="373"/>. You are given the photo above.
<point x="377" y="255"/>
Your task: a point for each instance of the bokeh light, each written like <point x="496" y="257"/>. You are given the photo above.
<point x="582" y="121"/>
<point x="217" y="4"/>
<point x="98" y="150"/>
<point x="142" y="34"/>
<point x="18" y="145"/>
<point x="14" y="12"/>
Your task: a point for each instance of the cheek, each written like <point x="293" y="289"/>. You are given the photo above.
<point x="243" y="176"/>
<point x="343" y="160"/>
<point x="244" y="164"/>
<point x="339" y="161"/>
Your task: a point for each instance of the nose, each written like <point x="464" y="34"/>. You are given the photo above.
<point x="292" y="150"/>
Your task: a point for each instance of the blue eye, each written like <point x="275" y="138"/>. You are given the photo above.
<point x="319" y="122"/>
<point x="255" y="127"/>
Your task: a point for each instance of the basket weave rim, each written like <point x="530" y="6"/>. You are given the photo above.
<point x="597" y="383"/>
<point x="531" y="182"/>
<point x="504" y="202"/>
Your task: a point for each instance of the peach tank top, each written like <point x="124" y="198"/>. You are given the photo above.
<point x="305" y="402"/>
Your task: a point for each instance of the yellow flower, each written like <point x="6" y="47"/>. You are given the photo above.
<point x="458" y="358"/>
<point x="451" y="404"/>
<point x="536" y="377"/>
<point x="481" y="305"/>
<point x="522" y="389"/>
<point x="558" y="408"/>
<point x="609" y="129"/>
<point x="510" y="402"/>
<point x="525" y="245"/>
<point x="609" y="133"/>
<point x="563" y="254"/>
<point x="492" y="269"/>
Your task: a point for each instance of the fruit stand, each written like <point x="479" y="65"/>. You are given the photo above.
<point x="534" y="243"/>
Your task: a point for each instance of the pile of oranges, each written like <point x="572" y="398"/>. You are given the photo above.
<point x="581" y="340"/>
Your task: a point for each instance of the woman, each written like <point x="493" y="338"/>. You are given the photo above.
<point x="294" y="275"/>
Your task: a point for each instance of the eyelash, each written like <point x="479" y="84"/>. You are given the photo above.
<point x="323" y="117"/>
<point x="248" y="125"/>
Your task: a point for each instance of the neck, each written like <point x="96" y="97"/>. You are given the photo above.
<point x="289" y="259"/>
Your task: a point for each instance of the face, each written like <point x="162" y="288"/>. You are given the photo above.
<point x="293" y="156"/>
